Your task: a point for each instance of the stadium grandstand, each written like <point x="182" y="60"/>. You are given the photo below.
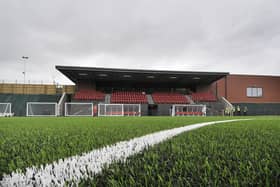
<point x="131" y="92"/>
<point x="156" y="91"/>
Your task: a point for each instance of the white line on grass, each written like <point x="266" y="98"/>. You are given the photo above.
<point x="73" y="169"/>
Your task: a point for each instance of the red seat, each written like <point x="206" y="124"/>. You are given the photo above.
<point x="89" y="94"/>
<point x="169" y="98"/>
<point x="128" y="97"/>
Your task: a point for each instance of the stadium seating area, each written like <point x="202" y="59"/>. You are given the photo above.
<point x="169" y="98"/>
<point x="88" y="94"/>
<point x="204" y="96"/>
<point x="140" y="98"/>
<point x="128" y="97"/>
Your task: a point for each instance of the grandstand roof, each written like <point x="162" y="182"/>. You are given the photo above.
<point x="75" y="73"/>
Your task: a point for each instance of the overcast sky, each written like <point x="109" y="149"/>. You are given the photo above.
<point x="236" y="36"/>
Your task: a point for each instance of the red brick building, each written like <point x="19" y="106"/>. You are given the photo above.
<point x="261" y="94"/>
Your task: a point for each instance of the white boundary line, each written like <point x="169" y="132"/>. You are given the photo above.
<point x="76" y="168"/>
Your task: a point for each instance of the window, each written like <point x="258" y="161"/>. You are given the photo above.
<point x="254" y="92"/>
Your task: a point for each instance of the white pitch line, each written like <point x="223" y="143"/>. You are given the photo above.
<point x="73" y="169"/>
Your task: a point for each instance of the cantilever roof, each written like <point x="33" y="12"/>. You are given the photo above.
<point x="75" y="73"/>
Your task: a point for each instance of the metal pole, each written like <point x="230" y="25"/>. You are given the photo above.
<point x="24" y="69"/>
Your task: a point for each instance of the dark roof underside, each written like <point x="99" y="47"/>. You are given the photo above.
<point x="78" y="74"/>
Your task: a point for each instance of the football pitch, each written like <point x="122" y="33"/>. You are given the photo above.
<point x="236" y="153"/>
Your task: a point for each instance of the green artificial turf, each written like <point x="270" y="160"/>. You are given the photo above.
<point x="245" y="153"/>
<point x="26" y="142"/>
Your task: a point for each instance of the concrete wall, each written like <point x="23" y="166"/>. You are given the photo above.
<point x="144" y="109"/>
<point x="164" y="109"/>
<point x="260" y="108"/>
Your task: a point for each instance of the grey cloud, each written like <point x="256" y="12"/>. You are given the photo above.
<point x="161" y="34"/>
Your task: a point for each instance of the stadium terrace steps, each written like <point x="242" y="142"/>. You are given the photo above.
<point x="129" y="97"/>
<point x="88" y="94"/>
<point x="190" y="99"/>
<point x="169" y="98"/>
<point x="150" y="99"/>
<point x="107" y="98"/>
<point x="203" y="96"/>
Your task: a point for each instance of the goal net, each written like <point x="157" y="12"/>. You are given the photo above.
<point x="78" y="109"/>
<point x="5" y="109"/>
<point x="189" y="110"/>
<point x="132" y="110"/>
<point x="41" y="109"/>
<point x="119" y="110"/>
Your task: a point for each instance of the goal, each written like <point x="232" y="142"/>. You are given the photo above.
<point x="41" y="109"/>
<point x="5" y="109"/>
<point x="189" y="110"/>
<point x="119" y="110"/>
<point x="132" y="110"/>
<point x="78" y="109"/>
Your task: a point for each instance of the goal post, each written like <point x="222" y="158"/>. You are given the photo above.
<point x="41" y="109"/>
<point x="119" y="110"/>
<point x="78" y="109"/>
<point x="132" y="110"/>
<point x="189" y="110"/>
<point x="5" y="109"/>
<point x="110" y="110"/>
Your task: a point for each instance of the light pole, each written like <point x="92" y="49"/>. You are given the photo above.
<point x="24" y="68"/>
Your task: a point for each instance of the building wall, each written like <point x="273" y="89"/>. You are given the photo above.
<point x="221" y="88"/>
<point x="233" y="88"/>
<point x="213" y="88"/>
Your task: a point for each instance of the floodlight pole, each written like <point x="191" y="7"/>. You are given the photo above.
<point x="25" y="58"/>
<point x="24" y="68"/>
